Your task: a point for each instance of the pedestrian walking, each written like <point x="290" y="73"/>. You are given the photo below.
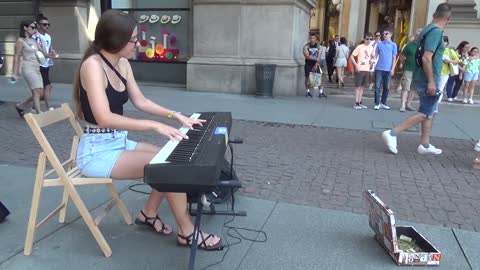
<point x="28" y="55"/>
<point x="340" y="60"/>
<point x="42" y="36"/>
<point x="386" y="52"/>
<point x="407" y="61"/>
<point x="361" y="59"/>
<point x="427" y="78"/>
<point x="330" y="60"/>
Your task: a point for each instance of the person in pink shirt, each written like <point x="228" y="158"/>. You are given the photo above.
<point x="362" y="58"/>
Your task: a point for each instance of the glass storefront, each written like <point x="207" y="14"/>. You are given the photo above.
<point x="325" y="19"/>
<point x="163" y="28"/>
<point x="164" y="31"/>
<point x="393" y="14"/>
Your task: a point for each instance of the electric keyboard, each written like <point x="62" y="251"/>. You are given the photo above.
<point x="194" y="164"/>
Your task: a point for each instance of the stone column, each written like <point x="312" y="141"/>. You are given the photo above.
<point x="230" y="36"/>
<point x="464" y="24"/>
<point x="73" y="23"/>
<point x="463" y="9"/>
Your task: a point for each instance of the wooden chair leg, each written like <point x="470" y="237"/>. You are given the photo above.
<point x="102" y="243"/>
<point x="121" y="205"/>
<point x="37" y="190"/>
<point x="63" y="212"/>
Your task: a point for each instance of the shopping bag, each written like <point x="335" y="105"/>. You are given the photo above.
<point x="315" y="79"/>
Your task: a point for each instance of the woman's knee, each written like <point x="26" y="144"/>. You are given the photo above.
<point x="37" y="91"/>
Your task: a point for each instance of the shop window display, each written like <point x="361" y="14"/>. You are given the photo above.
<point x="163" y="29"/>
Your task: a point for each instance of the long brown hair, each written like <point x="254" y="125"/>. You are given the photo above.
<point x="113" y="32"/>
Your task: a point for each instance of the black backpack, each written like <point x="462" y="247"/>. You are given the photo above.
<point x="421" y="49"/>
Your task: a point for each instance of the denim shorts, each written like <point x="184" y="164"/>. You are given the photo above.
<point x="428" y="104"/>
<point x="470" y="76"/>
<point x="98" y="152"/>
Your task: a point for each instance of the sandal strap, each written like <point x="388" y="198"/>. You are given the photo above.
<point x="204" y="240"/>
<point x="188" y="238"/>
<point x="155" y="219"/>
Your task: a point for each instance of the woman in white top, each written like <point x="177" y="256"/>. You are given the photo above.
<point x="341" y="60"/>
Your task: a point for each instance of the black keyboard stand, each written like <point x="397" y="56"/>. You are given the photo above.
<point x="232" y="183"/>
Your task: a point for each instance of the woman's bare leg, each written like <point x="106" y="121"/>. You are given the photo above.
<point x="37" y="93"/>
<point x="130" y="165"/>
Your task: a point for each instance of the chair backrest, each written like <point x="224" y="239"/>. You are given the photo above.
<point x="38" y="121"/>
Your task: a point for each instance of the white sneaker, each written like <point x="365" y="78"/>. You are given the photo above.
<point x="470" y="101"/>
<point x="465" y="101"/>
<point x="430" y="150"/>
<point x="455" y="98"/>
<point x="383" y="106"/>
<point x="450" y="99"/>
<point x="357" y="107"/>
<point x="477" y="146"/>
<point x="376" y="107"/>
<point x="51" y="109"/>
<point x="363" y="106"/>
<point x="390" y="141"/>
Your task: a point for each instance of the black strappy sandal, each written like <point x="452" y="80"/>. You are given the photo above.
<point x="152" y="225"/>
<point x="19" y="111"/>
<point x="201" y="245"/>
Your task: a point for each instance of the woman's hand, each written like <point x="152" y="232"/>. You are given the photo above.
<point x="170" y="132"/>
<point x="188" y="122"/>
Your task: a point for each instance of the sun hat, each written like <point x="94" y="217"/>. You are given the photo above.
<point x="176" y="19"/>
<point x="153" y="19"/>
<point x="143" y="18"/>
<point x="165" y="19"/>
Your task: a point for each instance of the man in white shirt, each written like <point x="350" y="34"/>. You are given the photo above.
<point x="43" y="37"/>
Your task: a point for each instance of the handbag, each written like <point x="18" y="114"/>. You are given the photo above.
<point x="315" y="78"/>
<point x="453" y="69"/>
<point x="41" y="59"/>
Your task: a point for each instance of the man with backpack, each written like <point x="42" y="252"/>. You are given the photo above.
<point x="429" y="65"/>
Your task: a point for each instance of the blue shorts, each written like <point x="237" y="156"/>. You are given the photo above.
<point x="470" y="76"/>
<point x="428" y="104"/>
<point x="98" y="152"/>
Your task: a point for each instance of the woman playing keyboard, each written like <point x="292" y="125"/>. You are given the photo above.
<point x="104" y="83"/>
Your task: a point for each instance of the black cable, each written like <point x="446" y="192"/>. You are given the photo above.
<point x="239" y="237"/>
<point x="131" y="188"/>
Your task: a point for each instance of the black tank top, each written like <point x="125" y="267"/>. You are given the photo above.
<point x="116" y="99"/>
<point x="313" y="52"/>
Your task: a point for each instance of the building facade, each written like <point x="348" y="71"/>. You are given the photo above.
<point x="353" y="18"/>
<point x="210" y="45"/>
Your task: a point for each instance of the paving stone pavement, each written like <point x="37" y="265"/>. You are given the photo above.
<point x="315" y="166"/>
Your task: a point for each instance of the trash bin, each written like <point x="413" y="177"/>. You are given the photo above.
<point x="265" y="76"/>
